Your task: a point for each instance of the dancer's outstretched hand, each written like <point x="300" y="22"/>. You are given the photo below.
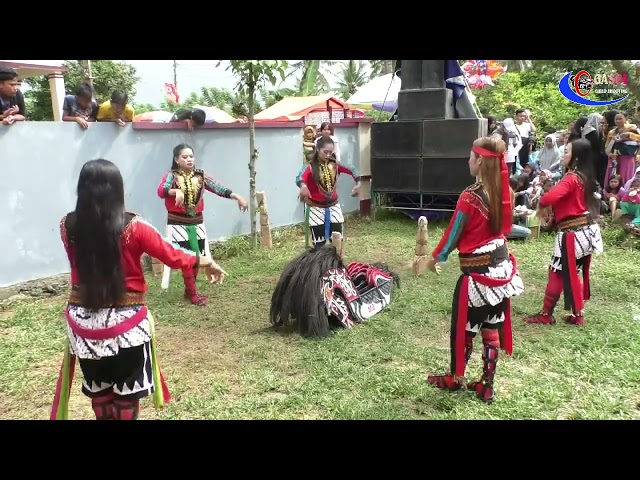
<point x="433" y="266"/>
<point x="242" y="204"/>
<point x="215" y="273"/>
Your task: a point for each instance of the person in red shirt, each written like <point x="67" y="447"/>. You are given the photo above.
<point x="481" y="300"/>
<point x="110" y="329"/>
<point x="182" y="190"/>
<point x="571" y="200"/>
<point x="318" y="182"/>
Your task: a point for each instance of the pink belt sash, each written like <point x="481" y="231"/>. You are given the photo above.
<point x="110" y="332"/>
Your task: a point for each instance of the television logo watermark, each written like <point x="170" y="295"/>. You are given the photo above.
<point x="575" y="88"/>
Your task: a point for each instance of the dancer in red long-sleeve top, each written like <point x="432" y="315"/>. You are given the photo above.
<point x="182" y="190"/>
<point x="318" y="182"/>
<point x="481" y="301"/>
<point x="110" y="329"/>
<point x="572" y="200"/>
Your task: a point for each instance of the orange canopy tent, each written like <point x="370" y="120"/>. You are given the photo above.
<point x="311" y="110"/>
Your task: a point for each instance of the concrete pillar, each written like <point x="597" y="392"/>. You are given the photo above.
<point x="364" y="140"/>
<point x="56" y="85"/>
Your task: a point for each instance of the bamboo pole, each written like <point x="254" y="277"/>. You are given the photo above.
<point x="422" y="238"/>
<point x="336" y="241"/>
<point x="265" y="232"/>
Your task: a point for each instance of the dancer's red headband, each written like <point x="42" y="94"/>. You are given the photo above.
<point x="507" y="212"/>
<point x="487" y="153"/>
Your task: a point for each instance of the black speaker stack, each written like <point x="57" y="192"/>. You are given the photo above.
<point x="427" y="150"/>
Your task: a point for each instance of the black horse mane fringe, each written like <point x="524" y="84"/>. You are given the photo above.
<point x="297" y="294"/>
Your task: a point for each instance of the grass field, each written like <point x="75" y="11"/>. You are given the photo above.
<point x="224" y="362"/>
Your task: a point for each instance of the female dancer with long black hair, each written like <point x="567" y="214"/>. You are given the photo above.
<point x="573" y="202"/>
<point x="481" y="301"/>
<point x="110" y="330"/>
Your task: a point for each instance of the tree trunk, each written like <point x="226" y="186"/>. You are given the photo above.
<point x="634" y="86"/>
<point x="252" y="163"/>
<point x="86" y="68"/>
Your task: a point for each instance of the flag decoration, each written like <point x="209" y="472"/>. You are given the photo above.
<point x="453" y="78"/>
<point x="480" y="73"/>
<point x="171" y="93"/>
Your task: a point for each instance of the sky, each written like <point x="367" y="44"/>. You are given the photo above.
<point x="191" y="75"/>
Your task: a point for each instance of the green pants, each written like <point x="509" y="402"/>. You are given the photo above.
<point x="631" y="209"/>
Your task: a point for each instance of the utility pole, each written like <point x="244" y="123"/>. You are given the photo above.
<point x="175" y="74"/>
<point x="86" y="66"/>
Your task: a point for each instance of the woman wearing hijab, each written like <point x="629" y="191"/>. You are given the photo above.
<point x="549" y="154"/>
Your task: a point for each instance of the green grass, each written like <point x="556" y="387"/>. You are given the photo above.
<point x="224" y="362"/>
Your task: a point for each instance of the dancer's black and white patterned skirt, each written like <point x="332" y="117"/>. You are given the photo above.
<point x="588" y="240"/>
<point x="122" y="363"/>
<point x="487" y="304"/>
<point x="317" y="223"/>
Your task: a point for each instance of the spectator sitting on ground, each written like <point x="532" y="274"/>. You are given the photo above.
<point x="613" y="193"/>
<point x="80" y="108"/>
<point x="116" y="110"/>
<point x="521" y="191"/>
<point x="12" y="107"/>
<point x="518" y="231"/>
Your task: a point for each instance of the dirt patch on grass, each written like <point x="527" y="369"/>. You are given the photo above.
<point x="195" y="354"/>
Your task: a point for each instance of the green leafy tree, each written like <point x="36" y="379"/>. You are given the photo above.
<point x="144" y="108"/>
<point x="351" y="77"/>
<point x="109" y="76"/>
<point x="251" y="75"/>
<point x="380" y="67"/>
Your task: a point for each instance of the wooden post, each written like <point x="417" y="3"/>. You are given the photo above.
<point x="336" y="241"/>
<point x="422" y="238"/>
<point x="265" y="232"/>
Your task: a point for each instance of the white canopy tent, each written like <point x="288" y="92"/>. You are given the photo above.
<point x="379" y="90"/>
